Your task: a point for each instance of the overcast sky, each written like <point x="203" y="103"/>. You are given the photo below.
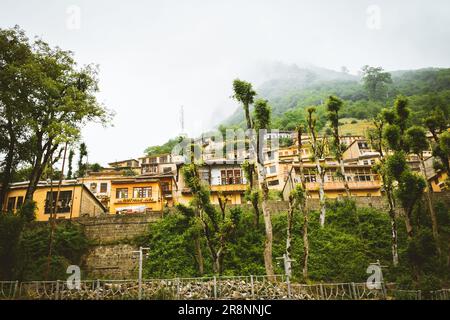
<point x="155" y="56"/>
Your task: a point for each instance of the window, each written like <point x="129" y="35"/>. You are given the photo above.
<point x="163" y="159"/>
<point x="62" y="206"/>
<point x="93" y="187"/>
<point x="150" y="169"/>
<point x="142" y="192"/>
<point x="11" y="203"/>
<point x="272" y="169"/>
<point x="165" y="186"/>
<point x="310" y="178"/>
<point x="122" y="193"/>
<point x="231" y="176"/>
<point x="103" y="187"/>
<point x="167" y="169"/>
<point x="204" y="176"/>
<point x="365" y="162"/>
<point x="273" y="183"/>
<point x="19" y="202"/>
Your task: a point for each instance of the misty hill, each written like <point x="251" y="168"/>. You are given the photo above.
<point x="290" y="88"/>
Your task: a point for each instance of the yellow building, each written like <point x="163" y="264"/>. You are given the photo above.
<point x="142" y="194"/>
<point x="439" y="182"/>
<point x="362" y="181"/>
<point x="75" y="200"/>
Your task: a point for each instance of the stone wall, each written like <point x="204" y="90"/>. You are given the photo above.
<point x="112" y="236"/>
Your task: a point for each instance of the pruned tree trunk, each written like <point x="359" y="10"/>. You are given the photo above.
<point x="303" y="206"/>
<point x="394" y="237"/>
<point x="268" y="227"/>
<point x="320" y="175"/>
<point x="199" y="256"/>
<point x="346" y="186"/>
<point x="290" y="217"/>
<point x="428" y="190"/>
<point x="305" y="244"/>
<point x="408" y="224"/>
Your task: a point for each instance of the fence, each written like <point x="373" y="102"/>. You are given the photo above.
<point x="223" y="288"/>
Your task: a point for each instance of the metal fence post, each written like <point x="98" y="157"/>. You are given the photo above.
<point x="98" y="289"/>
<point x="322" y="295"/>
<point x="16" y="285"/>
<point x="355" y="296"/>
<point x="57" y="290"/>
<point x="178" y="289"/>
<point x="419" y="294"/>
<point x="215" y="287"/>
<point x="288" y="282"/>
<point x="253" y="286"/>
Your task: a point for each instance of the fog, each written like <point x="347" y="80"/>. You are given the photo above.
<point x="156" y="56"/>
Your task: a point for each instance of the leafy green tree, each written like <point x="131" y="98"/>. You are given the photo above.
<point x="16" y="73"/>
<point x="70" y="163"/>
<point x="82" y="166"/>
<point x="244" y="93"/>
<point x="334" y="105"/>
<point x="58" y="98"/>
<point x="163" y="149"/>
<point x="409" y="192"/>
<point x="376" y="82"/>
<point x="418" y="142"/>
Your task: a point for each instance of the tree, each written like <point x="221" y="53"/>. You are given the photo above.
<point x="409" y="193"/>
<point x="252" y="194"/>
<point x="61" y="99"/>
<point x="318" y="152"/>
<point x="334" y="105"/>
<point x="303" y="203"/>
<point x="261" y="124"/>
<point x="217" y="228"/>
<point x="375" y="82"/>
<point x="418" y="142"/>
<point x="444" y="149"/>
<point x="244" y="93"/>
<point x="70" y="162"/>
<point x="81" y="165"/>
<point x="375" y="136"/>
<point x="16" y="73"/>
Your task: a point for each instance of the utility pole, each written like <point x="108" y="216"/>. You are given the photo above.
<point x="141" y="258"/>
<point x="287" y="270"/>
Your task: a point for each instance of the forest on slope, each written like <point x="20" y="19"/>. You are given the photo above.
<point x="294" y="89"/>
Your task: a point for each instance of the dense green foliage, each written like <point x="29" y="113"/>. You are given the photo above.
<point x="24" y="249"/>
<point x="341" y="251"/>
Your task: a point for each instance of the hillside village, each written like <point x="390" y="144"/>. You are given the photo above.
<point x="153" y="183"/>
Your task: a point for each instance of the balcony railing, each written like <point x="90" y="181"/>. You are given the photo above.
<point x="339" y="185"/>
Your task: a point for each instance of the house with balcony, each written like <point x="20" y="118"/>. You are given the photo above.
<point x="142" y="194"/>
<point x="361" y="179"/>
<point x="129" y="165"/>
<point x="223" y="179"/>
<point x="161" y="164"/>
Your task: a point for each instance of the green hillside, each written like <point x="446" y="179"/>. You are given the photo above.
<point x="291" y="93"/>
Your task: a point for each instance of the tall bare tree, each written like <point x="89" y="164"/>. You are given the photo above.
<point x="318" y="153"/>
<point x="334" y="105"/>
